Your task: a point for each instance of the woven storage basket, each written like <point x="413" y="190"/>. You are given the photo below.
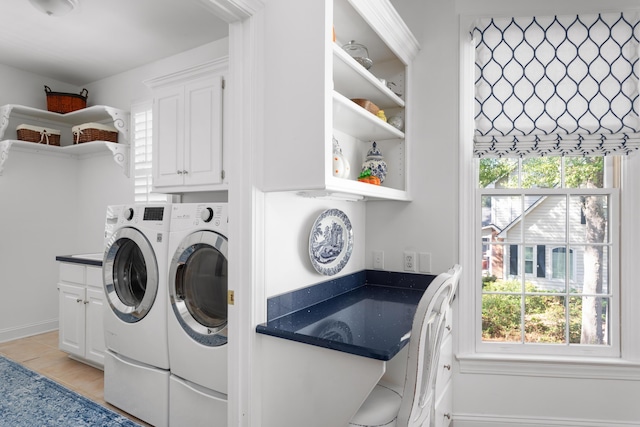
<point x="94" y="132"/>
<point x="38" y="134"/>
<point x="59" y="102"/>
<point x="367" y="105"/>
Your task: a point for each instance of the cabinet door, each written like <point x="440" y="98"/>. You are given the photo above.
<point x="168" y="137"/>
<point x="94" y="331"/>
<point x="203" y="139"/>
<point x="71" y="323"/>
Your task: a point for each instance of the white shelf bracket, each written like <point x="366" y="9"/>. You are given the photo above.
<point x="120" y="156"/>
<point x="120" y="121"/>
<point x="4" y="153"/>
<point x="5" y="112"/>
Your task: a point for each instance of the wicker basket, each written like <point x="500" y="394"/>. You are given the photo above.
<point x="367" y="105"/>
<point x="38" y="134"/>
<point x="94" y="132"/>
<point x="59" y="102"/>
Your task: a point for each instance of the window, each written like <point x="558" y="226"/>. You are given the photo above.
<point x="555" y="103"/>
<point x="540" y="205"/>
<point x="560" y="264"/>
<point x="142" y="124"/>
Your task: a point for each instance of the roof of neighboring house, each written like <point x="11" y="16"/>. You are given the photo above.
<point x="517" y="219"/>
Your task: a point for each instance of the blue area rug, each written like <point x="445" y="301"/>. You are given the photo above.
<point x="29" y="399"/>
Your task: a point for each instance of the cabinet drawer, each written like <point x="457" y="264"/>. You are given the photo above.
<point x="73" y="273"/>
<point x="448" y="323"/>
<point x="444" y="408"/>
<point x="94" y="277"/>
<point x="444" y="366"/>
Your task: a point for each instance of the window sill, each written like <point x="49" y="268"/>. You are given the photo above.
<point x="549" y="366"/>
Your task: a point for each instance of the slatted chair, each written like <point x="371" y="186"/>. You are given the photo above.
<point x="415" y="406"/>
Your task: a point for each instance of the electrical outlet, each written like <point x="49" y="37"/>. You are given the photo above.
<point x="378" y="260"/>
<point x="425" y="262"/>
<point x="409" y="261"/>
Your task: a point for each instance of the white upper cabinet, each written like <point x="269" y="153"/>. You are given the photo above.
<point x="188" y="129"/>
<point x="310" y="81"/>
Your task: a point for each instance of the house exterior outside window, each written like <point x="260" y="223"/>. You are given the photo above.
<point x="524" y="303"/>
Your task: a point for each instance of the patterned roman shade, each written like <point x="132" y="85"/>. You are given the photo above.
<point x="556" y="86"/>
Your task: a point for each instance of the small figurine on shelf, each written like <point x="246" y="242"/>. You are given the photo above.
<point x="366" y="176"/>
<point x="375" y="163"/>
<point x="341" y="167"/>
<point x="381" y="115"/>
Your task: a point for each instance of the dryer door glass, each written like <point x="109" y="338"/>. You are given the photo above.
<point x="204" y="286"/>
<point x="130" y="273"/>
<point x="198" y="287"/>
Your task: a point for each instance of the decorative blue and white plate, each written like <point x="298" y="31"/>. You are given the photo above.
<point x="330" y="242"/>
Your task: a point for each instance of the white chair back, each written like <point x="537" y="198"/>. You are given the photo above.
<point x="418" y="400"/>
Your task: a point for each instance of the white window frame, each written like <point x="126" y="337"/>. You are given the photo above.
<point x="141" y="152"/>
<point x="529" y="348"/>
<point x="505" y="362"/>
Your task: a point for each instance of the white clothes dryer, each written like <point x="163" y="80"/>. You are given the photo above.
<point x="197" y="318"/>
<point x="136" y="371"/>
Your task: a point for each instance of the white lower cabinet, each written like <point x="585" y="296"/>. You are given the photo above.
<point x="444" y="388"/>
<point x="444" y="407"/>
<point x="81" y="303"/>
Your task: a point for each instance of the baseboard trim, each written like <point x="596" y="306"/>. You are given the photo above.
<point x="23" y="331"/>
<point x="472" y="420"/>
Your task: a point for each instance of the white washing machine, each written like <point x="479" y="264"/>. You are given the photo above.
<point x="136" y="369"/>
<point x="197" y="318"/>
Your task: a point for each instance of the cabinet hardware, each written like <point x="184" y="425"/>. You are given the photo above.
<point x="447" y="416"/>
<point x="86" y="302"/>
<point x="185" y="172"/>
<point x="448" y="328"/>
<point x="447" y="367"/>
<point x="179" y="172"/>
<point x="222" y="174"/>
<point x="78" y="299"/>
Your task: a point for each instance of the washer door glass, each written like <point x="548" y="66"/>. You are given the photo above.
<point x="130" y="275"/>
<point x="198" y="287"/>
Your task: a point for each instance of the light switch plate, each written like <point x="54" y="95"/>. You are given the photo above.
<point x="425" y="262"/>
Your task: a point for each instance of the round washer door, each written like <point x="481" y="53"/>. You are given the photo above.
<point x="130" y="271"/>
<point x="198" y="287"/>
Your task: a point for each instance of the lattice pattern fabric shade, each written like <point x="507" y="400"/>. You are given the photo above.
<point x="555" y="86"/>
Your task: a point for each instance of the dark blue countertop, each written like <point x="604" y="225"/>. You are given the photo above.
<point x="369" y="320"/>
<point x="87" y="259"/>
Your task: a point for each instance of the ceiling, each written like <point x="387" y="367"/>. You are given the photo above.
<point x="101" y="38"/>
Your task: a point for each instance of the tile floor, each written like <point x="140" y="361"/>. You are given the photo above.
<point x="40" y="354"/>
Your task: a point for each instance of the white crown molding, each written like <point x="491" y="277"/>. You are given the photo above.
<point x="233" y="10"/>
<point x="392" y="29"/>
<point x="200" y="70"/>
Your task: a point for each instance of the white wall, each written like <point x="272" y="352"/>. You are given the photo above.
<point x="55" y="205"/>
<point x="123" y="89"/>
<point x="27" y="88"/>
<point x="36" y="224"/>
<point x="430" y="222"/>
<point x="37" y="193"/>
<point x="288" y="222"/>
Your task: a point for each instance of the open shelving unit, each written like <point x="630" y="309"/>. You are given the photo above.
<point x="327" y="78"/>
<point x="11" y="115"/>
